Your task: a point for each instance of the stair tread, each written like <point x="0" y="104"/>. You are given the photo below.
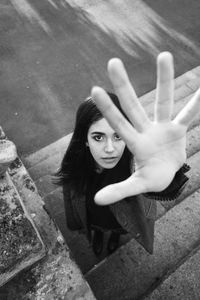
<point x="176" y="234"/>
<point x="56" y="148"/>
<point x="188" y="82"/>
<point x="182" y="284"/>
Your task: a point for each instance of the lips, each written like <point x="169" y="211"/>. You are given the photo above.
<point x="109" y="159"/>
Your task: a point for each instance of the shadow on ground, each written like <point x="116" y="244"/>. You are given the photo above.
<point x="52" y="53"/>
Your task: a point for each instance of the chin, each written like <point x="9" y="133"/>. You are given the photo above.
<point x="107" y="166"/>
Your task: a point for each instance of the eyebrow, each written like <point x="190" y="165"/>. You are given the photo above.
<point x="97" y="132"/>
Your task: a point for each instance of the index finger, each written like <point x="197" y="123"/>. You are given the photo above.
<point x="127" y="96"/>
<point x="165" y="87"/>
<point x="114" y="117"/>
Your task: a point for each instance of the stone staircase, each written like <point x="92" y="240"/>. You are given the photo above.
<point x="172" y="272"/>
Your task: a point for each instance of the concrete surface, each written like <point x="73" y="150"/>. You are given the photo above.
<point x="53" y="51"/>
<point x="184" y="283"/>
<point x="56" y="275"/>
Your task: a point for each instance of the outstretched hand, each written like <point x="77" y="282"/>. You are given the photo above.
<point x="158" y="146"/>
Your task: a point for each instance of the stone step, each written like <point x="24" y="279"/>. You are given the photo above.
<point x="193" y="141"/>
<point x="47" y="160"/>
<point x="45" y="185"/>
<point x="184" y="85"/>
<point x="131" y="273"/>
<point x="55" y="148"/>
<point x="182" y="284"/>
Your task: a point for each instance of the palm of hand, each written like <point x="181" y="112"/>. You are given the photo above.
<point x="158" y="146"/>
<point x="158" y="154"/>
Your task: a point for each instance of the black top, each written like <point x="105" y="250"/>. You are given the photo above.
<point x="100" y="216"/>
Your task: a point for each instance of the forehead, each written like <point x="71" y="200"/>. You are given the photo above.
<point x="101" y="126"/>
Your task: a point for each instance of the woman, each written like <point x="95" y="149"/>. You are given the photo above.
<point x="97" y="157"/>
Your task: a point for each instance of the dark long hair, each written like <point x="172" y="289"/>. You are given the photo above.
<point x="78" y="164"/>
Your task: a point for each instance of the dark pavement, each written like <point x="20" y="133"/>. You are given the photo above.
<point x="52" y="53"/>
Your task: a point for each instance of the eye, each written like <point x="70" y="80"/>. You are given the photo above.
<point x="98" y="137"/>
<point x="117" y="137"/>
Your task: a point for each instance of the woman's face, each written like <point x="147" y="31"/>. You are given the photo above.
<point x="105" y="145"/>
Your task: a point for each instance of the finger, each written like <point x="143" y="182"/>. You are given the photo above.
<point x="118" y="191"/>
<point x="127" y="96"/>
<point x="189" y="112"/>
<point x="165" y="87"/>
<point x="116" y="120"/>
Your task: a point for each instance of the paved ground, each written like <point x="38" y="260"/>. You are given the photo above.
<point x="53" y="51"/>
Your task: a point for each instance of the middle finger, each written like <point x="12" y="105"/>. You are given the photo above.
<point x="165" y="87"/>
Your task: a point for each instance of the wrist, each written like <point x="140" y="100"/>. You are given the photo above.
<point x="174" y="189"/>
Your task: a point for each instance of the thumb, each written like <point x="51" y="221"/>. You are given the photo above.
<point x="118" y="191"/>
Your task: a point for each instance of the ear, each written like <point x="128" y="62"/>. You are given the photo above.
<point x="87" y="145"/>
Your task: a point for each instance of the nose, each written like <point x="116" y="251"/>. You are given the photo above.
<point x="109" y="147"/>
